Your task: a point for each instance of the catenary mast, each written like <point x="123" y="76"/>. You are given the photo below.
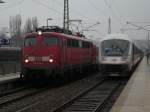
<point x="66" y="16"/>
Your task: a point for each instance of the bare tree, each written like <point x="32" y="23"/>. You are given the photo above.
<point x="34" y="23"/>
<point x="15" y="25"/>
<point x="28" y="26"/>
<point x="15" y="28"/>
<point x="31" y="25"/>
<point x="18" y="25"/>
<point x="11" y="23"/>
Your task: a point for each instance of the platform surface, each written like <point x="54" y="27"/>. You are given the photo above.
<point x="10" y="76"/>
<point x="136" y="95"/>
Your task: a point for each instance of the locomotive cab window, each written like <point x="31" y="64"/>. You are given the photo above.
<point x="30" y="41"/>
<point x="50" y="41"/>
<point x="115" y="47"/>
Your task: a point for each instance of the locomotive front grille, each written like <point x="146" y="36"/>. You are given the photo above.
<point x="38" y="58"/>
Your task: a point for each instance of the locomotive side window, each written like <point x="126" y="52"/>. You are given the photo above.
<point x="69" y="42"/>
<point x="30" y="41"/>
<point x="80" y="44"/>
<point x="75" y="43"/>
<point x="50" y="41"/>
<point x="72" y="43"/>
<point x="85" y="45"/>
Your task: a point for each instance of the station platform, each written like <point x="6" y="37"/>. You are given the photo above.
<point x="136" y="95"/>
<point x="9" y="77"/>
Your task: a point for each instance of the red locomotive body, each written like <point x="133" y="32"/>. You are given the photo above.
<point x="56" y="52"/>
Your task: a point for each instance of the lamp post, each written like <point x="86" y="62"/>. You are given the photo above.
<point x="48" y="20"/>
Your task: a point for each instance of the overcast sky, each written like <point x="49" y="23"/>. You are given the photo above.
<point x="89" y="11"/>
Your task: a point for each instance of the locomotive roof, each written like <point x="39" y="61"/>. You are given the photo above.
<point x="58" y="31"/>
<point x="116" y="36"/>
<point x="62" y="34"/>
<point x="74" y="37"/>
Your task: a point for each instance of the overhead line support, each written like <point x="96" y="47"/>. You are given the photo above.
<point x="66" y="16"/>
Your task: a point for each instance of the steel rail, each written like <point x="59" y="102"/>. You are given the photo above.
<point x="20" y="95"/>
<point x="93" y="102"/>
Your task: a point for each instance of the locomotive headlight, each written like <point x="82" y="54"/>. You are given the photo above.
<point x="26" y="60"/>
<point x="39" y="32"/>
<point x="51" y="60"/>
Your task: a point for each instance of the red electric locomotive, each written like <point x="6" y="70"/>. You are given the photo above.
<point x="50" y="50"/>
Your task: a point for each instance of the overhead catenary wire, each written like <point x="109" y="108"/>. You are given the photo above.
<point x="16" y="4"/>
<point x="78" y="13"/>
<point x="95" y="7"/>
<point x="73" y="10"/>
<point x="140" y="27"/>
<point x="112" y="11"/>
<point x="117" y="9"/>
<point x="77" y="26"/>
<point x="146" y="22"/>
<point x="56" y="10"/>
<point x="46" y="6"/>
<point x="12" y="5"/>
<point x="114" y="14"/>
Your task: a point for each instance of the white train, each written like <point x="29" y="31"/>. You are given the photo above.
<point x="118" y="55"/>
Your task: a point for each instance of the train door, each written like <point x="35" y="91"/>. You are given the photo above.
<point x="63" y="53"/>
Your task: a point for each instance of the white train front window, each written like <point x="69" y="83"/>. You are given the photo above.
<point x="115" y="47"/>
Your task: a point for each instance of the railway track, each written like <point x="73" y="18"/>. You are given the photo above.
<point x="9" y="86"/>
<point x="92" y="96"/>
<point x="20" y="93"/>
<point x="35" y="105"/>
<point x="15" y="90"/>
<point x="92" y="100"/>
